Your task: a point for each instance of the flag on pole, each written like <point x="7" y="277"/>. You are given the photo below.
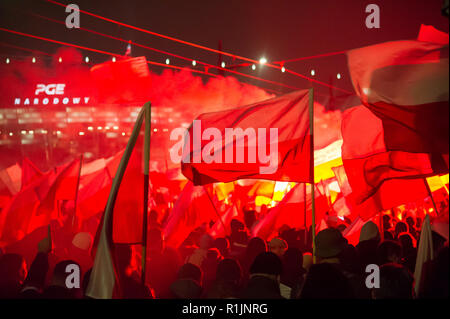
<point x="291" y="211"/>
<point x="406" y="85"/>
<point x="124" y="218"/>
<point x="425" y="252"/>
<point x="192" y="209"/>
<point x="369" y="164"/>
<point x="266" y="140"/>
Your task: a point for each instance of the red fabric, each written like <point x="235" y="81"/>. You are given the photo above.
<point x="63" y="187"/>
<point x="390" y="193"/>
<point x="29" y="172"/>
<point x="405" y="84"/>
<point x="368" y="164"/>
<point x="16" y="216"/>
<point x="288" y="113"/>
<point x="291" y="211"/>
<point x="128" y="208"/>
<point x="93" y="196"/>
<point x="428" y="33"/>
<point x="192" y="209"/>
<point x="122" y="81"/>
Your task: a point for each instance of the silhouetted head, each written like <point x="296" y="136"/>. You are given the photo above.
<point x="255" y="246"/>
<point x="329" y="243"/>
<point x="223" y="245"/>
<point x="389" y="251"/>
<point x="396" y="282"/>
<point x="407" y="242"/>
<point x="369" y="231"/>
<point x="278" y="246"/>
<point x="229" y="270"/>
<point x="267" y="263"/>
<point x="190" y="271"/>
<point x="400" y="227"/>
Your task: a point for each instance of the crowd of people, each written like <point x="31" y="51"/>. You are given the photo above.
<point x="238" y="266"/>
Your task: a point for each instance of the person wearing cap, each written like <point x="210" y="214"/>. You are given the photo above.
<point x="278" y="246"/>
<point x="264" y="280"/>
<point x="330" y="244"/>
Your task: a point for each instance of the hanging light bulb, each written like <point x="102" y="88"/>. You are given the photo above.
<point x="283" y="69"/>
<point x="33" y="60"/>
<point x="7" y="60"/>
<point x="194" y="63"/>
<point x="313" y="72"/>
<point x="86" y="59"/>
<point x="114" y="59"/>
<point x="167" y="61"/>
<point x="253" y="67"/>
<point x="60" y="60"/>
<point x="222" y="64"/>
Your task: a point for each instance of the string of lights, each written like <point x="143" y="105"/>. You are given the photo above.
<point x="262" y="61"/>
<point x="194" y="62"/>
<point x="95" y="50"/>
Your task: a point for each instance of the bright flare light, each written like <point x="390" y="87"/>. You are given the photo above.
<point x="338" y="76"/>
<point x="313" y="72"/>
<point x="283" y="69"/>
<point x="60" y="60"/>
<point x="33" y="60"/>
<point x="263" y="60"/>
<point x="7" y="60"/>
<point x="114" y="59"/>
<point x="194" y="63"/>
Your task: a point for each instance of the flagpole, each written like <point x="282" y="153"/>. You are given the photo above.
<point x="76" y="196"/>
<point x="304" y="214"/>
<point x="215" y="209"/>
<point x="147" y="137"/>
<point x="430" y="194"/>
<point x="311" y="163"/>
<point x="100" y="285"/>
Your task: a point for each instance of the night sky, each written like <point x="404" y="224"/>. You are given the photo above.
<point x="277" y="30"/>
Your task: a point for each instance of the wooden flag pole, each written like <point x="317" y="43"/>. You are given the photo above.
<point x="147" y="138"/>
<point x="76" y="197"/>
<point x="311" y="163"/>
<point x="304" y="214"/>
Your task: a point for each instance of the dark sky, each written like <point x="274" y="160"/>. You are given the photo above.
<point x="277" y="30"/>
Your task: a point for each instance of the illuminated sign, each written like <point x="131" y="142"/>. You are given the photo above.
<point x="44" y="90"/>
